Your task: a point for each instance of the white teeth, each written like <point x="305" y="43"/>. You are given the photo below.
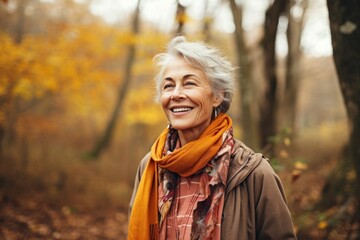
<point x="183" y="109"/>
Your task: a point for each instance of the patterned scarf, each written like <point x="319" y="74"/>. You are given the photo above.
<point x="185" y="161"/>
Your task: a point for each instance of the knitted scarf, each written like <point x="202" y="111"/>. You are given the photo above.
<point x="185" y="161"/>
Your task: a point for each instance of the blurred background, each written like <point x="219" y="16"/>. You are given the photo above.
<point x="77" y="110"/>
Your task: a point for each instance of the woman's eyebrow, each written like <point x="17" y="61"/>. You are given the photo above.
<point x="184" y="77"/>
<point x="189" y="75"/>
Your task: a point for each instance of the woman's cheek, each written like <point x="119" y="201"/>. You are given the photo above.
<point x="164" y="99"/>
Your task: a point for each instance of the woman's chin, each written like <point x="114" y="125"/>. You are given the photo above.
<point x="181" y="127"/>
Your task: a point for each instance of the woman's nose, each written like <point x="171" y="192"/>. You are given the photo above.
<point x="177" y="93"/>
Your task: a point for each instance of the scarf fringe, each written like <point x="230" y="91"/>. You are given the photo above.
<point x="154" y="231"/>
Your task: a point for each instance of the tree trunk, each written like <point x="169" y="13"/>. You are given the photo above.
<point x="293" y="67"/>
<point x="180" y="18"/>
<point x="123" y="89"/>
<point x="20" y="23"/>
<point x="268" y="104"/>
<point x="206" y="23"/>
<point x="345" y="35"/>
<point x="247" y="116"/>
<point x="7" y="103"/>
<point x="7" y="99"/>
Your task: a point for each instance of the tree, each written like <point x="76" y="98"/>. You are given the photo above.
<point x="340" y="190"/>
<point x="268" y="105"/>
<point x="247" y="118"/>
<point x="293" y="68"/>
<point x="104" y="140"/>
<point x="180" y="18"/>
<point x="207" y="21"/>
<point x="345" y="35"/>
<point x="20" y="21"/>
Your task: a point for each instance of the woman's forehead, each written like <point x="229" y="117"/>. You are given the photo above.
<point x="181" y="66"/>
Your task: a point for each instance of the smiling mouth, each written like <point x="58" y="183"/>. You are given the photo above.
<point x="181" y="109"/>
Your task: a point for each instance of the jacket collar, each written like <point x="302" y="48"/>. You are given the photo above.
<point x="243" y="161"/>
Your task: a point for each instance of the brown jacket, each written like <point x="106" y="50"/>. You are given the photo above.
<point x="255" y="205"/>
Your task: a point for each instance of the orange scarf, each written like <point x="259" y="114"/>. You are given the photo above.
<point x="185" y="161"/>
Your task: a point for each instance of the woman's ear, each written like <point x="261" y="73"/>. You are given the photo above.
<point x="217" y="100"/>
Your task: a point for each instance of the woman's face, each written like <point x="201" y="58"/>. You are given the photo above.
<point x="186" y="97"/>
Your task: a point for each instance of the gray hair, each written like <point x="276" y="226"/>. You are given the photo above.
<point x="217" y="68"/>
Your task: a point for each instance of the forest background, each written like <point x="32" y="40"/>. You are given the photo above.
<point x="77" y="109"/>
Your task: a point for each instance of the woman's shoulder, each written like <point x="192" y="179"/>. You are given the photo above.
<point x="244" y="157"/>
<point x="246" y="162"/>
<point x="143" y="163"/>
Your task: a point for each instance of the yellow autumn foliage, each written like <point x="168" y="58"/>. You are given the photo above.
<point x="141" y="107"/>
<point x="322" y="224"/>
<point x="82" y="64"/>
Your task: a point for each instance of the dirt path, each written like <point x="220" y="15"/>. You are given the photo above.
<point x="28" y="219"/>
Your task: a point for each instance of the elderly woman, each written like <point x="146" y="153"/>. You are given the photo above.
<point x="198" y="182"/>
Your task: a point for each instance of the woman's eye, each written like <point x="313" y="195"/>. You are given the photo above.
<point x="168" y="85"/>
<point x="190" y="83"/>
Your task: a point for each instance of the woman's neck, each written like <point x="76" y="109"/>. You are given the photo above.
<point x="186" y="136"/>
